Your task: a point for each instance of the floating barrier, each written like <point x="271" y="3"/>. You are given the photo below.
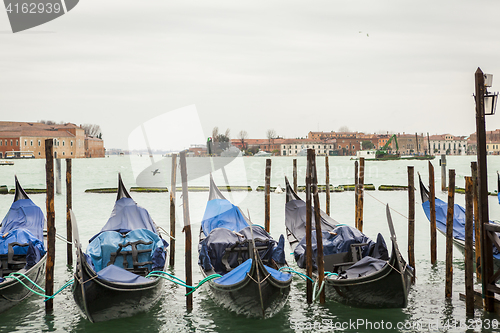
<point x="30" y="190"/>
<point x="393" y="188"/>
<point x="165" y="189"/>
<point x="4" y="189"/>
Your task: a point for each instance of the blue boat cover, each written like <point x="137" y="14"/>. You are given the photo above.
<point x="24" y="214"/>
<point x="128" y="215"/>
<point x="458" y="220"/>
<point x="117" y="274"/>
<point x="337" y="241"/>
<point x="106" y="242"/>
<point x="240" y="272"/>
<point x="21" y="236"/>
<point x="221" y="213"/>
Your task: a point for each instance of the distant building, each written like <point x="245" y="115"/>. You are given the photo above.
<point x="292" y="147"/>
<point x="448" y="144"/>
<point x="24" y="139"/>
<point x="411" y="144"/>
<point x="493" y="147"/>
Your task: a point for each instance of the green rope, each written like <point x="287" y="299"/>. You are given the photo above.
<point x="180" y="282"/>
<point x="291" y="270"/>
<point x="316" y="294"/>
<point x="21" y="282"/>
<point x="328" y="274"/>
<point x="208" y="278"/>
<point x="67" y="284"/>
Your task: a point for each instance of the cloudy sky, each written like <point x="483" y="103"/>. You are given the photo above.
<point x="291" y="66"/>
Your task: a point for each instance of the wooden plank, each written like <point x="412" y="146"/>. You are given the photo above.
<point x="267" y="208"/>
<point x="432" y="202"/>
<point x="309" y="264"/>
<point x="449" y="235"/>
<point x="327" y="190"/>
<point x="51" y="226"/>
<point x="173" y="180"/>
<point x="411" y="220"/>
<point x="69" y="206"/>
<point x="187" y="232"/>
<point x="477" y="226"/>
<point x="469" y="278"/>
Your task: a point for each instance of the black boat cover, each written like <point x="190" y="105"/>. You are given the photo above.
<point x="213" y="248"/>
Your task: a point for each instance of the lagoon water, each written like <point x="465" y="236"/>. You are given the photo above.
<point x="428" y="310"/>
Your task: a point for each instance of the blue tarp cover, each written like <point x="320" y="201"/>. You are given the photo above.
<point x="22" y="236"/>
<point x="117" y="274"/>
<point x="127" y="215"/>
<point x="221" y="213"/>
<point x="24" y="214"/>
<point x="458" y="220"/>
<point x="341" y="242"/>
<point x="442" y="211"/>
<point x="240" y="272"/>
<point x="105" y="243"/>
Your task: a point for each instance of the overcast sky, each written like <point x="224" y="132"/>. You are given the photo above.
<point x="291" y="66"/>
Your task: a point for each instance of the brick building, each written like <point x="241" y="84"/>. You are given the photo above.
<point x="23" y="139"/>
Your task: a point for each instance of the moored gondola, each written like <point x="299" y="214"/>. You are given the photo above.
<point x="22" y="250"/>
<point x="359" y="271"/>
<point x="247" y="258"/>
<point x="458" y="221"/>
<point x="111" y="277"/>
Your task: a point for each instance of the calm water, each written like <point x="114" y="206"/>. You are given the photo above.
<point x="427" y="305"/>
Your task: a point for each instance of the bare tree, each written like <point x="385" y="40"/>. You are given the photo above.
<point x="215" y="134"/>
<point x="92" y="130"/>
<point x="243" y="135"/>
<point x="344" y="129"/>
<point x="271" y="135"/>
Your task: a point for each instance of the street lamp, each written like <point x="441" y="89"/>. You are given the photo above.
<point x="490" y="103"/>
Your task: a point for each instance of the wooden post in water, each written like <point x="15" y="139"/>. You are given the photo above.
<point x="317" y="218"/>
<point x="51" y="226"/>
<point x="309" y="263"/>
<point x="327" y="189"/>
<point x="173" y="182"/>
<point x="295" y="175"/>
<point x="69" y="206"/>
<point x="469" y="278"/>
<point x="411" y="221"/>
<point x="58" y="176"/>
<point x="483" y="218"/>
<point x="449" y="235"/>
<point x="432" y="204"/>
<point x="187" y="231"/>
<point x="360" y="189"/>
<point x="267" y="212"/>
<point x="477" y="223"/>
<point x="429" y="144"/>
<point x="442" y="162"/>
<point x="356" y="201"/>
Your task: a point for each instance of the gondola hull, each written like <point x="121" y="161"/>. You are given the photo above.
<point x="246" y="298"/>
<point x="386" y="288"/>
<point x="102" y="300"/>
<point x="12" y="292"/>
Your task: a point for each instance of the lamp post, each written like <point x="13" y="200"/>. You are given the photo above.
<point x="485" y="104"/>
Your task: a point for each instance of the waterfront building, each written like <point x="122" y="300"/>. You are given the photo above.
<point x="24" y="139"/>
<point x="493" y="147"/>
<point x="448" y="144"/>
<point x="292" y="147"/>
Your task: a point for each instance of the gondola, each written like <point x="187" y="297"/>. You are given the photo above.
<point x="246" y="257"/>
<point x="22" y="249"/>
<point x="358" y="271"/>
<point x="458" y="221"/>
<point x="111" y="277"/>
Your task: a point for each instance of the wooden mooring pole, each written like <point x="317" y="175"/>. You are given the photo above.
<point x="173" y="181"/>
<point x="411" y="220"/>
<point x="317" y="219"/>
<point x="432" y="202"/>
<point x="449" y="234"/>
<point x="187" y="231"/>
<point x="469" y="278"/>
<point x="69" y="207"/>
<point x="477" y="224"/>
<point x="483" y="218"/>
<point x="360" y="190"/>
<point x="295" y="175"/>
<point x="356" y="201"/>
<point x="309" y="262"/>
<point x="327" y="189"/>
<point x="51" y="226"/>
<point x="58" y="176"/>
<point x="442" y="162"/>
<point x="267" y="216"/>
